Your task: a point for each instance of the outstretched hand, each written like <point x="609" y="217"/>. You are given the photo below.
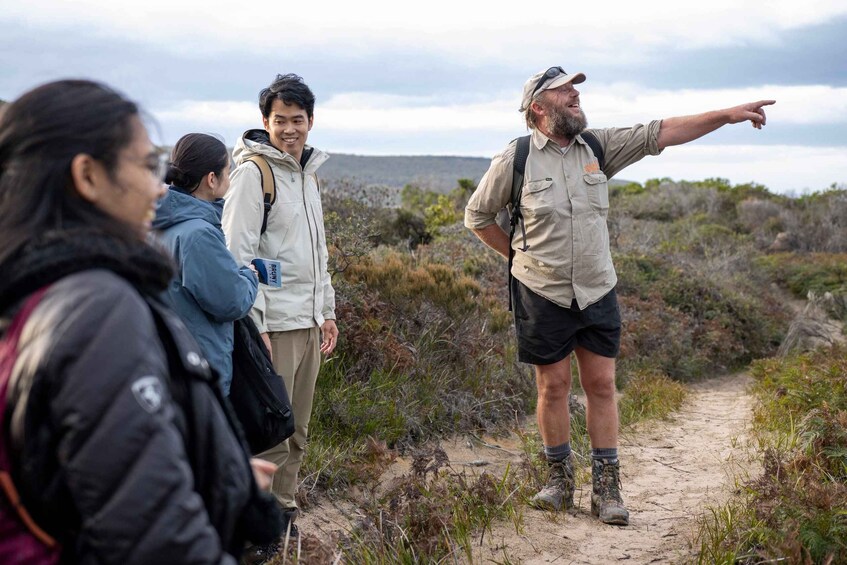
<point x="753" y="111"/>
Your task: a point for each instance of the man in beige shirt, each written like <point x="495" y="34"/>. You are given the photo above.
<point x="562" y="278"/>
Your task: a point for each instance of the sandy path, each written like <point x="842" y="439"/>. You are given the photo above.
<point x="671" y="470"/>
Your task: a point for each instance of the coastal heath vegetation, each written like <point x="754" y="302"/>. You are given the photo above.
<point x="427" y="347"/>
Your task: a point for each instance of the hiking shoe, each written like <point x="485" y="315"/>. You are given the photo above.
<point x="259" y="554"/>
<point x="557" y="494"/>
<point x="289" y="515"/>
<point x="606" y="501"/>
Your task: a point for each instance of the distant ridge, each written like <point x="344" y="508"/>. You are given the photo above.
<point x="433" y="172"/>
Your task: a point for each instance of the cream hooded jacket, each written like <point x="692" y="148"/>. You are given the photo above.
<point x="295" y="234"/>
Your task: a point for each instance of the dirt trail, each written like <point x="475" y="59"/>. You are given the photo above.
<point x="671" y="470"/>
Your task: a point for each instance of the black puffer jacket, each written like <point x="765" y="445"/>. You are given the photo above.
<point x="123" y="447"/>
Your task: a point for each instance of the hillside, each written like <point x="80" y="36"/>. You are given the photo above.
<point x="436" y="173"/>
<point x="433" y="172"/>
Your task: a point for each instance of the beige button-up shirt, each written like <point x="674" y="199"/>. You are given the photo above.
<point x="565" y="202"/>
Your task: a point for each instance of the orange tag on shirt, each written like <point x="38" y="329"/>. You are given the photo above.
<point x="592" y="167"/>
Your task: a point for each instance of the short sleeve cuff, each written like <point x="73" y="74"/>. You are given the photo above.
<point x="477" y="220"/>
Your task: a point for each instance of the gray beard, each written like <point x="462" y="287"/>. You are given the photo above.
<point x="562" y="124"/>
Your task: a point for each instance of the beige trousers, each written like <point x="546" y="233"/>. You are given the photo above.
<point x="297" y="358"/>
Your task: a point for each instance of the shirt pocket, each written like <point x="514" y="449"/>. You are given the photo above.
<point x="538" y="197"/>
<point x="597" y="187"/>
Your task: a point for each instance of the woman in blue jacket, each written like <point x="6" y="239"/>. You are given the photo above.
<point x="210" y="290"/>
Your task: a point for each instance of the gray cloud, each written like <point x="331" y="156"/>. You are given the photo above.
<point x="162" y="74"/>
<point x="810" y="55"/>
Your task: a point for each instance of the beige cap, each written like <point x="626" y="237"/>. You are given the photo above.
<point x="553" y="77"/>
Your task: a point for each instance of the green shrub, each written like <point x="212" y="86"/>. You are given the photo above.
<point x="407" y="286"/>
<point x="804" y="273"/>
<point x="696" y="236"/>
<point x="678" y="323"/>
<point x="639" y="274"/>
<point x="648" y="395"/>
<point x="629" y="189"/>
<point x="408" y="227"/>
<point x="416" y="199"/>
<point x="442" y="213"/>
<point x="790" y="390"/>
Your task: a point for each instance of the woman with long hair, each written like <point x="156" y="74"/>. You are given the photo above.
<point x="118" y="441"/>
<point x="210" y="291"/>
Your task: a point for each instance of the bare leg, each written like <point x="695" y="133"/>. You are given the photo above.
<point x="554" y="386"/>
<point x="597" y="376"/>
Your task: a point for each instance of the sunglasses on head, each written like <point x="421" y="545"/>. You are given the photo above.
<point x="552" y="72"/>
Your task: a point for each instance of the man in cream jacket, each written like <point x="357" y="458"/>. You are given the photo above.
<point x="297" y="320"/>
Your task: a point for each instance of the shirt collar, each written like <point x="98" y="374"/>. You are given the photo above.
<point x="540" y="140"/>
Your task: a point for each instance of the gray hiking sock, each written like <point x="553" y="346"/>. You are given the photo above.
<point x="557" y="453"/>
<point x="609" y="454"/>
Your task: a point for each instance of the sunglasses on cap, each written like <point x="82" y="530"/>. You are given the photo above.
<point x="552" y="72"/>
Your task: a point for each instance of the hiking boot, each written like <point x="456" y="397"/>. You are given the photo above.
<point x="289" y="515"/>
<point x="606" y="501"/>
<point x="260" y="554"/>
<point x="557" y="494"/>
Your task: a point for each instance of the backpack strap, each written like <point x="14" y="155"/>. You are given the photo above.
<point x="8" y="357"/>
<point x="521" y="156"/>
<point x="11" y="493"/>
<point x="268" y="186"/>
<point x="595" y="146"/>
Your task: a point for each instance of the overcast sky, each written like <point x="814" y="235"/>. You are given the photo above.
<point x="445" y="77"/>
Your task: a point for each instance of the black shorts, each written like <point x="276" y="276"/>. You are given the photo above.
<point x="547" y="332"/>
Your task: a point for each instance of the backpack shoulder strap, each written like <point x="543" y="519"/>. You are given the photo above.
<point x="268" y="185"/>
<point x="521" y="155"/>
<point x="595" y="146"/>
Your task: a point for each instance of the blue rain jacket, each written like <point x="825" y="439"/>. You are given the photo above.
<point x="210" y="290"/>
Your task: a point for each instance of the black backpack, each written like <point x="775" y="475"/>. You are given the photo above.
<point x="514" y="211"/>
<point x="257" y="392"/>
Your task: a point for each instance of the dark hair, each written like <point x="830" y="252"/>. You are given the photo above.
<point x="194" y="156"/>
<point x="40" y="134"/>
<point x="290" y="89"/>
